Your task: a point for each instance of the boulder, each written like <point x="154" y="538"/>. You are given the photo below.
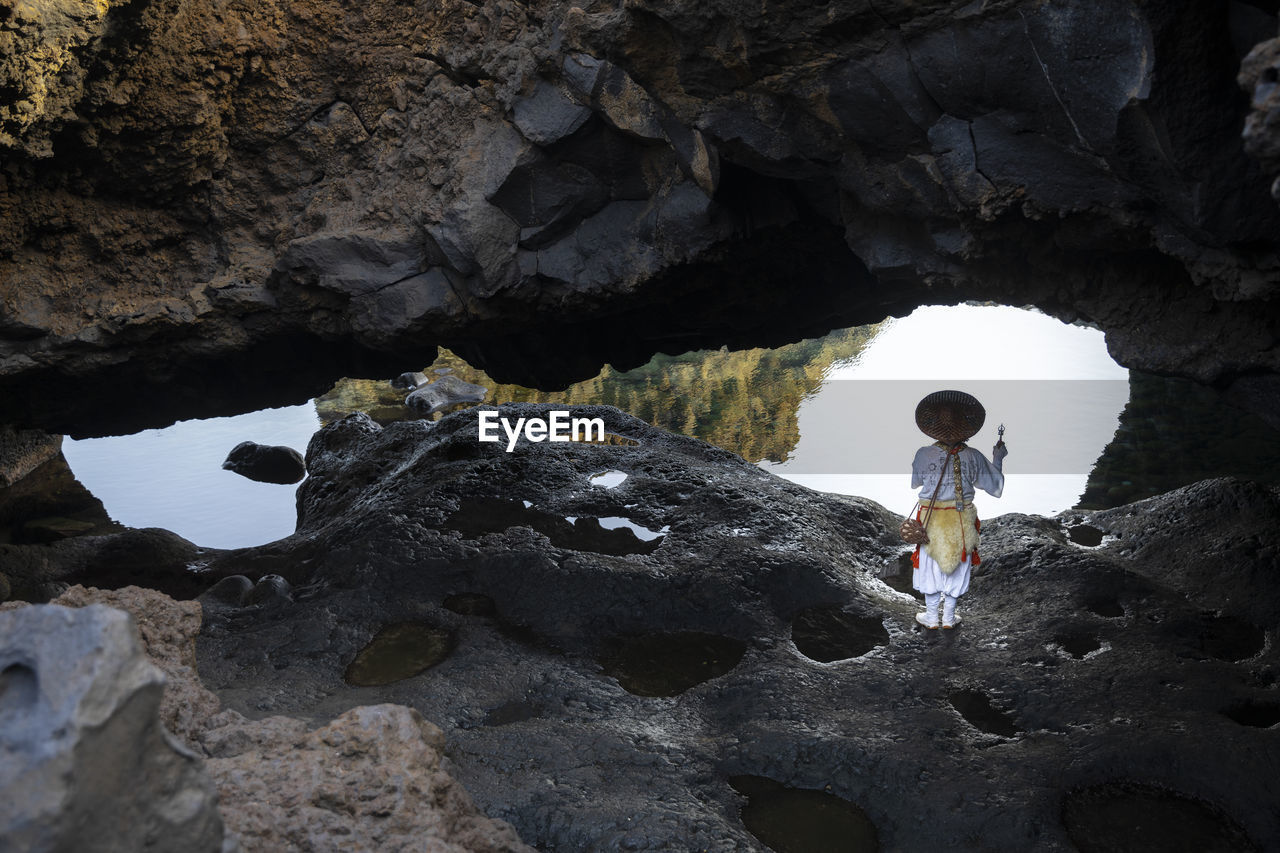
<point x="409" y="381"/>
<point x="88" y="764"/>
<point x="167" y="630"/>
<point x="265" y="463"/>
<point x="445" y="391"/>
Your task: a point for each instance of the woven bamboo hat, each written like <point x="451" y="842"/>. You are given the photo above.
<point x="950" y="416"/>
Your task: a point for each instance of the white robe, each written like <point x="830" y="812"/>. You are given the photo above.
<point x="976" y="470"/>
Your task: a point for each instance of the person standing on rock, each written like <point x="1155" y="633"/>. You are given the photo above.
<point x="947" y="472"/>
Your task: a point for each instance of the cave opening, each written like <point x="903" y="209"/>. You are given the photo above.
<point x="1083" y="431"/>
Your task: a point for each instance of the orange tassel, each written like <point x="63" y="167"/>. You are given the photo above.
<point x="915" y="558"/>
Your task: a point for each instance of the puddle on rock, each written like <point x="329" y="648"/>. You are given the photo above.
<point x="1086" y="535"/>
<point x="1133" y="818"/>
<point x="669" y="664"/>
<point x="399" y="651"/>
<point x="470" y="604"/>
<point x="1223" y="637"/>
<point x="1107" y="608"/>
<point x="978" y="711"/>
<point x="897" y="574"/>
<point x="609" y="535"/>
<point x="803" y="820"/>
<point x="617" y="522"/>
<point x="1258" y="714"/>
<point x="828" y="633"/>
<point x="1078" y="645"/>
<point x="512" y="712"/>
<point x="610" y="479"/>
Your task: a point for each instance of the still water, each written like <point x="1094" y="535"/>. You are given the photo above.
<point x="173" y="477"/>
<point x="834" y="414"/>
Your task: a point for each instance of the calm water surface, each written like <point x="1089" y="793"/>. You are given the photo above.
<point x="173" y="477"/>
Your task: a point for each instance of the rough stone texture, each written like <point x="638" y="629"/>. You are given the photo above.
<point x="168" y="630"/>
<point x="266" y="464"/>
<point x="148" y="556"/>
<point x="1260" y="77"/>
<point x="1149" y="659"/>
<point x="87" y="764"/>
<point x="410" y="380"/>
<point x="208" y="208"/>
<point x="371" y="780"/>
<point x="22" y="451"/>
<point x="444" y="392"/>
<point x="48" y="49"/>
<point x="50" y="491"/>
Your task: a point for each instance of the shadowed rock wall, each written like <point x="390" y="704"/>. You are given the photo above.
<point x="206" y="208"/>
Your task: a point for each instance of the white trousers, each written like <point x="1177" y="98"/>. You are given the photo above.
<point x="930" y="579"/>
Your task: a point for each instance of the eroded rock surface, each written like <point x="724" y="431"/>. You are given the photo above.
<point x="87" y="763"/>
<point x="167" y="630"/>
<point x="1260" y="78"/>
<point x="445" y="391"/>
<point x="22" y="451"/>
<point x="149" y="556"/>
<point x="642" y="700"/>
<point x="283" y="194"/>
<point x="368" y="781"/>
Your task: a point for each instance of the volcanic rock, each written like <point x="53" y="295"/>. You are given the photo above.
<point x="22" y="451"/>
<point x="167" y="630"/>
<point x="281" y="785"/>
<point x="50" y="490"/>
<point x="1260" y="77"/>
<point x="88" y="765"/>
<point x="370" y="780"/>
<point x="148" y="556"/>
<point x="409" y="381"/>
<point x="444" y="392"/>
<point x="643" y="699"/>
<point x="208" y="210"/>
<point x="266" y="464"/>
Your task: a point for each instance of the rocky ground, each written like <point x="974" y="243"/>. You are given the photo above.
<point x="750" y="668"/>
<point x="112" y="743"/>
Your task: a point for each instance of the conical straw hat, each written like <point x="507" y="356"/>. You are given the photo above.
<point x="950" y="416"/>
